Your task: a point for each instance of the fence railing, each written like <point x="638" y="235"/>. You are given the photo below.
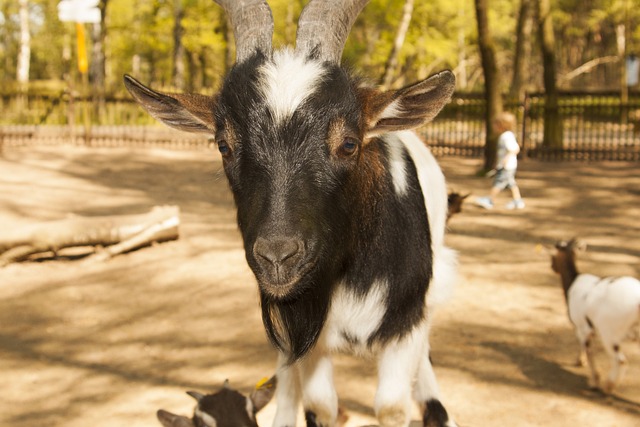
<point x="136" y="136"/>
<point x="596" y="126"/>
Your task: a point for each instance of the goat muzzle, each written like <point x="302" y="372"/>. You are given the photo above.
<point x="281" y="263"/>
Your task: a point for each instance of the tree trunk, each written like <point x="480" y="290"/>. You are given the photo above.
<point x="493" y="97"/>
<point x="552" y="119"/>
<point x="621" y="43"/>
<point x="178" y="47"/>
<point x="24" y="54"/>
<point x="117" y="234"/>
<point x="461" y="76"/>
<point x="97" y="69"/>
<point x="522" y="53"/>
<point x="392" y="61"/>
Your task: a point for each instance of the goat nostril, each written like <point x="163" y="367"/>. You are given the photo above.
<point x="276" y="251"/>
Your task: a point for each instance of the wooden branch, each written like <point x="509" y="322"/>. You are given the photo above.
<point x="588" y="66"/>
<point x="116" y="234"/>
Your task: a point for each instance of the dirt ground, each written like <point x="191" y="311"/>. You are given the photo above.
<point x="108" y="344"/>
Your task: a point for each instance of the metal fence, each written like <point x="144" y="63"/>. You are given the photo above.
<point x="134" y="136"/>
<point x="597" y="126"/>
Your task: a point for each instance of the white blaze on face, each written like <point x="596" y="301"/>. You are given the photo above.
<point x="287" y="81"/>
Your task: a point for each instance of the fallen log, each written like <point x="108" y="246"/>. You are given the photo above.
<point x="108" y="235"/>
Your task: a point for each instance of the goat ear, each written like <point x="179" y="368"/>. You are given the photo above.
<point x="196" y="395"/>
<point x="263" y="393"/>
<point x="167" y="419"/>
<point x="186" y="112"/>
<point x="578" y="245"/>
<point x="409" y="107"/>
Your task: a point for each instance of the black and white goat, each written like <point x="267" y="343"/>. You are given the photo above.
<point x="225" y="408"/>
<point x="608" y="306"/>
<point x="341" y="207"/>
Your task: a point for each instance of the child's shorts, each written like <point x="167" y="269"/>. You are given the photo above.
<point x="504" y="179"/>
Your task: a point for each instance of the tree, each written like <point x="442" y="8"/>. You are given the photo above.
<point x="178" y="47"/>
<point x="492" y="94"/>
<point x="553" y="127"/>
<point x="523" y="51"/>
<point x="24" y="54"/>
<point x="97" y="67"/>
<point x="401" y="33"/>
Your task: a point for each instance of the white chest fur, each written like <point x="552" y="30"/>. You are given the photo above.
<point x="353" y="319"/>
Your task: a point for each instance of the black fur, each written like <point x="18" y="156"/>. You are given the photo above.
<point x="311" y="419"/>
<point x="435" y="415"/>
<point x="227" y="407"/>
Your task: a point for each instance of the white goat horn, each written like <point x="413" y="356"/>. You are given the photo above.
<point x="324" y="26"/>
<point x="252" y="24"/>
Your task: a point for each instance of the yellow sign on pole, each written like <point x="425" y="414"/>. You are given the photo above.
<point x="83" y="62"/>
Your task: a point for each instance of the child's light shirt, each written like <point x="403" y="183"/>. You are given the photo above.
<point x="508" y="149"/>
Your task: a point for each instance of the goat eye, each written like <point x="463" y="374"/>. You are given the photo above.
<point x="223" y="147"/>
<point x="349" y="146"/>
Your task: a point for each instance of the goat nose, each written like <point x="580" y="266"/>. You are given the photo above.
<point x="276" y="251"/>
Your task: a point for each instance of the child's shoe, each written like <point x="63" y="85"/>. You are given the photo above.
<point x="515" y="204"/>
<point x="484" y="202"/>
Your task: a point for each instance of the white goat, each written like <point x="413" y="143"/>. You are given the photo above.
<point x="609" y="305"/>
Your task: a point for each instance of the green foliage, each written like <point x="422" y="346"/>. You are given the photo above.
<point x="139" y="40"/>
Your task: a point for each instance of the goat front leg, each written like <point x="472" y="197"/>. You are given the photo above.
<point x="397" y="367"/>
<point x="287" y="393"/>
<point x="319" y="397"/>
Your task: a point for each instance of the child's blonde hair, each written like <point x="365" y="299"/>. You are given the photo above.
<point x="505" y="121"/>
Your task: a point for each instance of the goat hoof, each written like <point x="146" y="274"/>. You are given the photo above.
<point x="392" y="416"/>
<point x="435" y="415"/>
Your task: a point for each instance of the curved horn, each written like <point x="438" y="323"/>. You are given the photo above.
<point x="252" y="24"/>
<point x="323" y="27"/>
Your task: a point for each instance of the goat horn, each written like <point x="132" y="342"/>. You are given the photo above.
<point x="323" y="27"/>
<point x="252" y="24"/>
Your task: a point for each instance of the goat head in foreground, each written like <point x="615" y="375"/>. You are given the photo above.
<point x="225" y="408"/>
<point x="605" y="306"/>
<point x="341" y="207"/>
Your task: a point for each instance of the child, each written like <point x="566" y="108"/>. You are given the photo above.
<point x="506" y="164"/>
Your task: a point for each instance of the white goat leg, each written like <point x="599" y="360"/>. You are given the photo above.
<point x="587" y="346"/>
<point x="427" y="392"/>
<point x="319" y="397"/>
<point x="618" y="367"/>
<point x="397" y="367"/>
<point x="287" y="394"/>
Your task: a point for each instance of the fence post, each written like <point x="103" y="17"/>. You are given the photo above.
<point x="525" y="114"/>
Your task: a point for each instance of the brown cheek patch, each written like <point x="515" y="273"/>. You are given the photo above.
<point x="336" y="134"/>
<point x="230" y="135"/>
<point x="366" y="180"/>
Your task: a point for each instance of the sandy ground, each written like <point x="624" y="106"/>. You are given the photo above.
<point x="108" y="344"/>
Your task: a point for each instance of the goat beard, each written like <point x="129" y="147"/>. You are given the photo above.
<point x="294" y="324"/>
